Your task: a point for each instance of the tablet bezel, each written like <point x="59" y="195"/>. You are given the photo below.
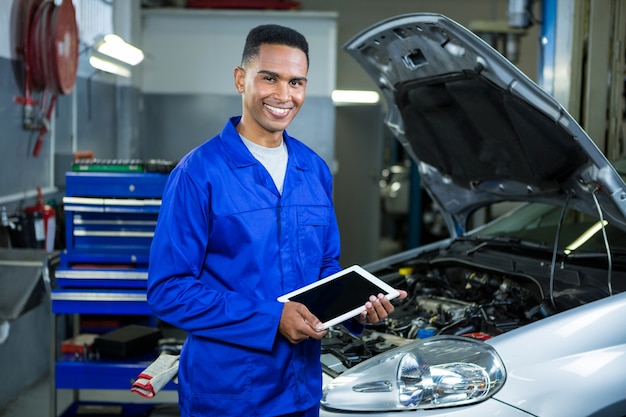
<point x="384" y="288"/>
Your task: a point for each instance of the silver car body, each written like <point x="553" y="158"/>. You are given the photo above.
<point x="482" y="132"/>
<point x="571" y="364"/>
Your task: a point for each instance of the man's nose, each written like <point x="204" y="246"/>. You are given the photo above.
<point x="282" y="91"/>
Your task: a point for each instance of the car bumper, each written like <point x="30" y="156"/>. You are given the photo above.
<point x="486" y="408"/>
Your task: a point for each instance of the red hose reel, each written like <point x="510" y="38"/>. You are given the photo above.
<point x="48" y="43"/>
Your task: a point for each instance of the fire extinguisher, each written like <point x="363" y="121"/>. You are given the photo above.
<point x="41" y="220"/>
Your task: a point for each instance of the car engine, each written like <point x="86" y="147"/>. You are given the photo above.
<point x="452" y="297"/>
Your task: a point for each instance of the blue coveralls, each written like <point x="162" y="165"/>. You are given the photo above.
<point x="226" y="245"/>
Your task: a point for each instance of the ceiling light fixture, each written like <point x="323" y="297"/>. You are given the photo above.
<point x="114" y="55"/>
<point x="115" y="47"/>
<point x="352" y="97"/>
<point x="109" y="66"/>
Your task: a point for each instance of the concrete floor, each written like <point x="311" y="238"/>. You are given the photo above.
<point x="34" y="402"/>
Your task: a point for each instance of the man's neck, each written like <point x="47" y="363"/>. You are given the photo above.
<point x="260" y="136"/>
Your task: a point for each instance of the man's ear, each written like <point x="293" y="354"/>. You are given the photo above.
<point x="240" y="79"/>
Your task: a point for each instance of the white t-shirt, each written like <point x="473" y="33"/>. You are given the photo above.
<point x="273" y="159"/>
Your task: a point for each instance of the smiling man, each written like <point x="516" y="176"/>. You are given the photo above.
<point x="246" y="217"/>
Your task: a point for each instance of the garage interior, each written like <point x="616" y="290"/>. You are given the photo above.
<point x="181" y="94"/>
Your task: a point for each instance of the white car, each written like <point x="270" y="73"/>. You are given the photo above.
<point x="524" y="315"/>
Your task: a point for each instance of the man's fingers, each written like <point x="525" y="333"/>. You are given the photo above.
<point x="310" y="319"/>
<point x="297" y="323"/>
<point x="315" y="324"/>
<point x="379" y="307"/>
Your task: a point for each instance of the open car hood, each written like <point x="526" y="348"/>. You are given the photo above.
<point x="480" y="130"/>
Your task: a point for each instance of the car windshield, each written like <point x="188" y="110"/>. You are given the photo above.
<point x="538" y="224"/>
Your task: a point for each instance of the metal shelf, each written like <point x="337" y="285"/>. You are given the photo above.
<point x="89" y="276"/>
<point x="74" y="372"/>
<point x="82" y="301"/>
<point x="91" y="408"/>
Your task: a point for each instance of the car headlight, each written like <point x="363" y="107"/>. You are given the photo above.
<point x="441" y="371"/>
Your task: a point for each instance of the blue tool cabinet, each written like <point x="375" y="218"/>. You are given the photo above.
<point x="109" y="225"/>
<point x="110" y="217"/>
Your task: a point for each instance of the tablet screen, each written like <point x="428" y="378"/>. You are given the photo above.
<point x="341" y="297"/>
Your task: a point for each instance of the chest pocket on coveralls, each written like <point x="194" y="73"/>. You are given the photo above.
<point x="312" y="227"/>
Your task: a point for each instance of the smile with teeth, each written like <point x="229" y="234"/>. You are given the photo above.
<point x="276" y="109"/>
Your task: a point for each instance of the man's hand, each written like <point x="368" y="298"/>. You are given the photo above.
<point x="297" y="323"/>
<point x="378" y="308"/>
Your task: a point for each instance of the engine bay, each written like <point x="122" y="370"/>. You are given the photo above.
<point x="453" y="296"/>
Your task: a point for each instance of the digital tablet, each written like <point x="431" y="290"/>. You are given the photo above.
<point x="340" y="296"/>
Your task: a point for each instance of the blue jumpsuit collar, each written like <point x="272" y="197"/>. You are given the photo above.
<point x="239" y="154"/>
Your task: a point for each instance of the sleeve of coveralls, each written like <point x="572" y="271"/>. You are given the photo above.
<point x="174" y="293"/>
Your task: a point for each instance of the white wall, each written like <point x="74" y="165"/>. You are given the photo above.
<point x="196" y="51"/>
<point x="5" y="32"/>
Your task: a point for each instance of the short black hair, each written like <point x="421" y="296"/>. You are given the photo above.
<point x="273" y="35"/>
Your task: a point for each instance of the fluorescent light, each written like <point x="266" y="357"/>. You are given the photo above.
<point x="109" y="66"/>
<point x="115" y="47"/>
<point x="588" y="234"/>
<point x="112" y="54"/>
<point x="342" y="97"/>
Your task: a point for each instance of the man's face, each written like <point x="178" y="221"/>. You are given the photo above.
<point x="273" y="87"/>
